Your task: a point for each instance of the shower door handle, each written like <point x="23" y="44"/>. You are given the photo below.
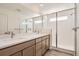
<point x="75" y="28"/>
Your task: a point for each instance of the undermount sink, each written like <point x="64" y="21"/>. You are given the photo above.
<point x="19" y="36"/>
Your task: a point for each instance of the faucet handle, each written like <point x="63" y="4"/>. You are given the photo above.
<point x="12" y="33"/>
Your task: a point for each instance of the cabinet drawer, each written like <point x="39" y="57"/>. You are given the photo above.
<point x="13" y="49"/>
<point x="38" y="40"/>
<point x="30" y="51"/>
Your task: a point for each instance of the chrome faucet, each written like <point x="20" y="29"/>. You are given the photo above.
<point x="12" y="34"/>
<point x="36" y="31"/>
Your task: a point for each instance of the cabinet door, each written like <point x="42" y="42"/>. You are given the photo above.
<point x="30" y="51"/>
<point x="38" y="52"/>
<point x="52" y="25"/>
<point x="47" y="44"/>
<point x="65" y="34"/>
<point x="17" y="54"/>
<point x="43" y="46"/>
<point x="38" y="49"/>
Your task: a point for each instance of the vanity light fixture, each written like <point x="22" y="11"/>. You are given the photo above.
<point x="52" y="19"/>
<point x="62" y="18"/>
<point x="24" y="23"/>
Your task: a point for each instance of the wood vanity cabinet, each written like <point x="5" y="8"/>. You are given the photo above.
<point x="17" y="50"/>
<point x="30" y="51"/>
<point x="38" y="49"/>
<point x="35" y="47"/>
<point x="47" y="43"/>
<point x="42" y="45"/>
<point x="17" y="53"/>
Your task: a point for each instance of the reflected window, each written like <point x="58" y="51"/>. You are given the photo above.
<point x="38" y="22"/>
<point x="24" y="22"/>
<point x="62" y="18"/>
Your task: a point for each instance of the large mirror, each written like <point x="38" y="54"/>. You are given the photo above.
<point x="26" y="26"/>
<point x="3" y="23"/>
<point x="52" y="27"/>
<point x="37" y="24"/>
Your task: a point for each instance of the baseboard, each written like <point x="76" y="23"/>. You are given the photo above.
<point x="63" y="50"/>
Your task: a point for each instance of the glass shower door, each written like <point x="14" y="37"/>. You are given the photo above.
<point x="52" y="27"/>
<point x="65" y="20"/>
<point x="45" y="24"/>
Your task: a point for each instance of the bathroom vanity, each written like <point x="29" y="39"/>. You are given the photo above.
<point x="32" y="45"/>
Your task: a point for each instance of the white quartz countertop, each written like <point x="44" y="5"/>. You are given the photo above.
<point x="6" y="41"/>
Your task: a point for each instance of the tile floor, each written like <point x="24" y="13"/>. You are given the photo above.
<point x="56" y="53"/>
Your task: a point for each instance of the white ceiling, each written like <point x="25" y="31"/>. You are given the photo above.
<point x="34" y="9"/>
